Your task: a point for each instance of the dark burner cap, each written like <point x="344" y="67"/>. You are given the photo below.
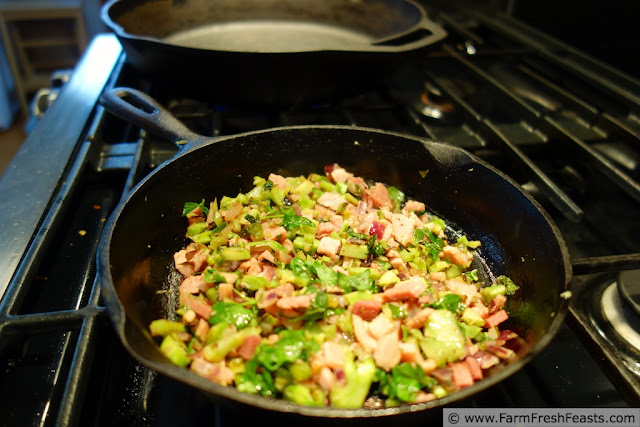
<point x="629" y="288"/>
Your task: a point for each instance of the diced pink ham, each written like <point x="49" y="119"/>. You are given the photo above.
<point x="457" y="257"/>
<point x="216" y="372"/>
<point x="461" y="375"/>
<point x="248" y="346"/>
<point x="201" y="330"/>
<point x="201" y="307"/>
<point x="474" y="368"/>
<point x="419" y="319"/>
<point x="461" y="288"/>
<point x="438" y="276"/>
<point x="382" y="325"/>
<point x="380" y="196"/>
<point x="193" y="284"/>
<point x="294" y="302"/>
<point x="270" y="232"/>
<point x="402" y="229"/>
<point x="234" y="211"/>
<point x="225" y="291"/>
<point x="361" y="332"/>
<point x="497" y="303"/>
<point x="367" y="309"/>
<point x="325" y="228"/>
<point x="330" y="247"/>
<point x="331" y="355"/>
<point x="331" y="200"/>
<point x="339" y="174"/>
<point x="485" y="359"/>
<point x="407" y="289"/>
<point x="496" y="318"/>
<point x="267" y="258"/>
<point x="387" y="353"/>
<point x="412" y="205"/>
<point x="278" y="180"/>
<point x="326" y="378"/>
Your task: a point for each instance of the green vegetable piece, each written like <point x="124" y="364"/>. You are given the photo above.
<point x="276" y="194"/>
<point x="235" y="254"/>
<point x="304" y="188"/>
<point x="299" y="394"/>
<point x="254" y="283"/>
<point x="396" y="196"/>
<point x="490" y="292"/>
<point x="470" y="331"/>
<point x="388" y="278"/>
<point x="272" y="244"/>
<point x="472" y="317"/>
<point x="300" y="370"/>
<point x="510" y="287"/>
<point x="291" y="221"/>
<point x="354" y="251"/>
<point x="231" y="313"/>
<point x="162" y="327"/>
<point x="196" y="228"/>
<point x="359" y="376"/>
<point x="215" y="332"/>
<point x="444" y="340"/>
<point x="218" y="350"/>
<point x="176" y="351"/>
<point x="352" y="297"/>
<point x="450" y="302"/>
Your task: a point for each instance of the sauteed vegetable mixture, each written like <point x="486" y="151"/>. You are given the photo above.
<point x="330" y="290"/>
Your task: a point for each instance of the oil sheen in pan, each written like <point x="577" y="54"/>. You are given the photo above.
<point x="269" y="36"/>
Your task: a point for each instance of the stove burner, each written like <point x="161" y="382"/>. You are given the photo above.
<point x="629" y="288"/>
<point x="434" y="105"/>
<point x="624" y="321"/>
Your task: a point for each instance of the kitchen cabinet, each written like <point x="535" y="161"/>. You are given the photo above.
<point x="40" y="37"/>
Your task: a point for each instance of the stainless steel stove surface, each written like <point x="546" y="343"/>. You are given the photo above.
<point x="560" y="123"/>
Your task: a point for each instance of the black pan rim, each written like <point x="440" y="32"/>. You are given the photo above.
<point x="116" y="310"/>
<point x="438" y="33"/>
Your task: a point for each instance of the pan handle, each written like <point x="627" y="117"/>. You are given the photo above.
<point x="144" y="111"/>
<point x="424" y="33"/>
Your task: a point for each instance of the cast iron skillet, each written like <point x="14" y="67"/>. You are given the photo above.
<point x="135" y="255"/>
<point x="270" y="51"/>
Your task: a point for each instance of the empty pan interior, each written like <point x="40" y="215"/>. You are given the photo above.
<point x="518" y="240"/>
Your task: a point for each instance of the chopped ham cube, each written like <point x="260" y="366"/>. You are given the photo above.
<point x="454" y="255"/>
<point x="193" y="285"/>
<point x="387" y="353"/>
<point x="380" y="196"/>
<point x="201" y="307"/>
<point x="496" y="318"/>
<point x="248" y="346"/>
<point x="331" y="200"/>
<point x="412" y="205"/>
<point x="409" y="289"/>
<point x="381" y="326"/>
<point x="461" y="375"/>
<point x="474" y="368"/>
<point x="402" y="228"/>
<point x="330" y="247"/>
<point x="367" y="309"/>
<point x="278" y="180"/>
<point x="419" y="319"/>
<point x="299" y="301"/>
<point x="361" y="332"/>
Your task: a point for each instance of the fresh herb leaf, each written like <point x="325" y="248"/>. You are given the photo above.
<point x="396" y="196"/>
<point x="292" y="222"/>
<point x="231" y="313"/>
<point x="190" y="206"/>
<point x="450" y="302"/>
<point x="361" y="282"/>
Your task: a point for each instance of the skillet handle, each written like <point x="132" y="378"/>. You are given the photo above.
<point x="414" y="37"/>
<point x="144" y="111"/>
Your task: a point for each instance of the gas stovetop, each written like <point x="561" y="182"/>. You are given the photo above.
<point x="560" y="123"/>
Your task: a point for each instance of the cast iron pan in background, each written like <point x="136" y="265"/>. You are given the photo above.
<point x="270" y="51"/>
<point x="135" y="254"/>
